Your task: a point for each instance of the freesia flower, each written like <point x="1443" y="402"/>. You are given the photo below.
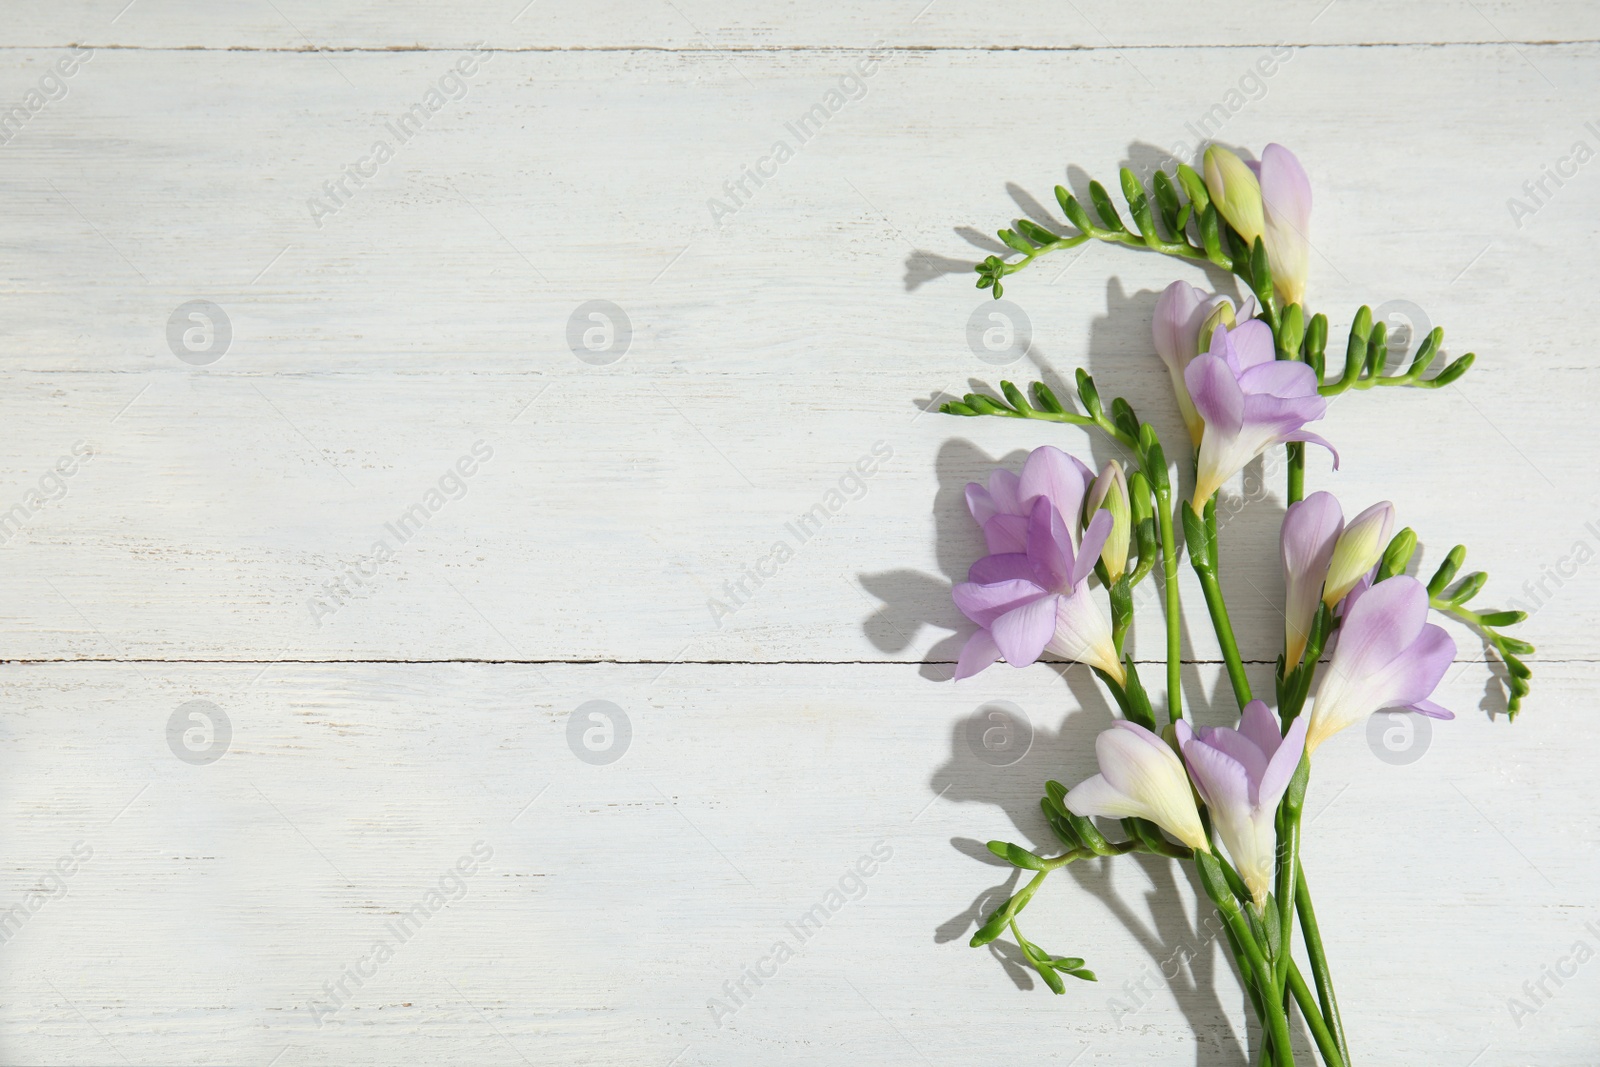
<point x="1270" y="200"/>
<point x="1242" y="775"/>
<point x="1141" y="778"/>
<point x="1311" y="528"/>
<point x="1028" y="603"/>
<point x="1178" y="327"/>
<point x="1387" y="655"/>
<point x="1250" y="401"/>
<point x="1360" y="547"/>
<point x="1001" y="508"/>
<point x="1110" y="491"/>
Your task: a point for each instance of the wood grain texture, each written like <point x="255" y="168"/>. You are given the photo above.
<point x="380" y="351"/>
<point x="618" y="899"/>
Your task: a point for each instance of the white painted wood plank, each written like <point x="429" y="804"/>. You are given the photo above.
<point x="769" y="354"/>
<point x="408" y="24"/>
<point x="619" y="898"/>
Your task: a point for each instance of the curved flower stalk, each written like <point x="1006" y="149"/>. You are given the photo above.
<point x="1182" y="311"/>
<point x="1387" y="655"/>
<point x="1242" y="775"/>
<point x="1249" y="401"/>
<point x="1142" y="778"/>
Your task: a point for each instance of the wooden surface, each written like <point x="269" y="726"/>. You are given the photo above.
<point x="379" y="735"/>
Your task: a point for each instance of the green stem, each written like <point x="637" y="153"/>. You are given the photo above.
<point x="1327" y="1044"/>
<point x="1274" y="1021"/>
<point x="1319" y="963"/>
<point x="1169" y="571"/>
<point x="1297" y="472"/>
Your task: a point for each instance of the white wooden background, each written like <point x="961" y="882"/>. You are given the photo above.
<point x="373" y="747"/>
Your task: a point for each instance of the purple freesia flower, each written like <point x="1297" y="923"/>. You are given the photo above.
<point x="1311" y="528"/>
<point x="1387" y="655"/>
<point x="1250" y="401"/>
<point x="1002" y="508"/>
<point x="1242" y="775"/>
<point x="1181" y="311"/>
<point x="1037" y="600"/>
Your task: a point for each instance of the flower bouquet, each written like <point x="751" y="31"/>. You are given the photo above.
<point x="1248" y="376"/>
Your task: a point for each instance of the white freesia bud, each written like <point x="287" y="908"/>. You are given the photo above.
<point x="1236" y="191"/>
<point x="1358" y="550"/>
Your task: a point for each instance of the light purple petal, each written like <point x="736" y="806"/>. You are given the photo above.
<point x="980" y="503"/>
<point x="985" y="603"/>
<point x="1174" y="325"/>
<point x="1252" y="344"/>
<point x="1003" y="567"/>
<point x="1284" y="762"/>
<point x="1221" y="780"/>
<point x="1416" y="672"/>
<point x="1430" y="709"/>
<point x="1059" y="478"/>
<point x="1281" y="377"/>
<point x="1311" y="528"/>
<point x="1216" y="393"/>
<point x="1006" y="533"/>
<point x="1094" y="539"/>
<point x="1310" y="438"/>
<point x="1379" y="626"/>
<point x="1003" y="490"/>
<point x="1022" y="633"/>
<point x="1049" y="545"/>
<point x="1258" y="724"/>
<point x="1285" y="189"/>
<point x="979" y="652"/>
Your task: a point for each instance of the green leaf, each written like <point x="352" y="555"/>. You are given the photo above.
<point x="1089" y="394"/>
<point x="1167" y="201"/>
<point x="1015" y="398"/>
<point x="1502" y="618"/>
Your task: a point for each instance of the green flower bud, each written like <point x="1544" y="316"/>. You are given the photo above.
<point x="1110" y="491"/>
<point x="1236" y="192"/>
